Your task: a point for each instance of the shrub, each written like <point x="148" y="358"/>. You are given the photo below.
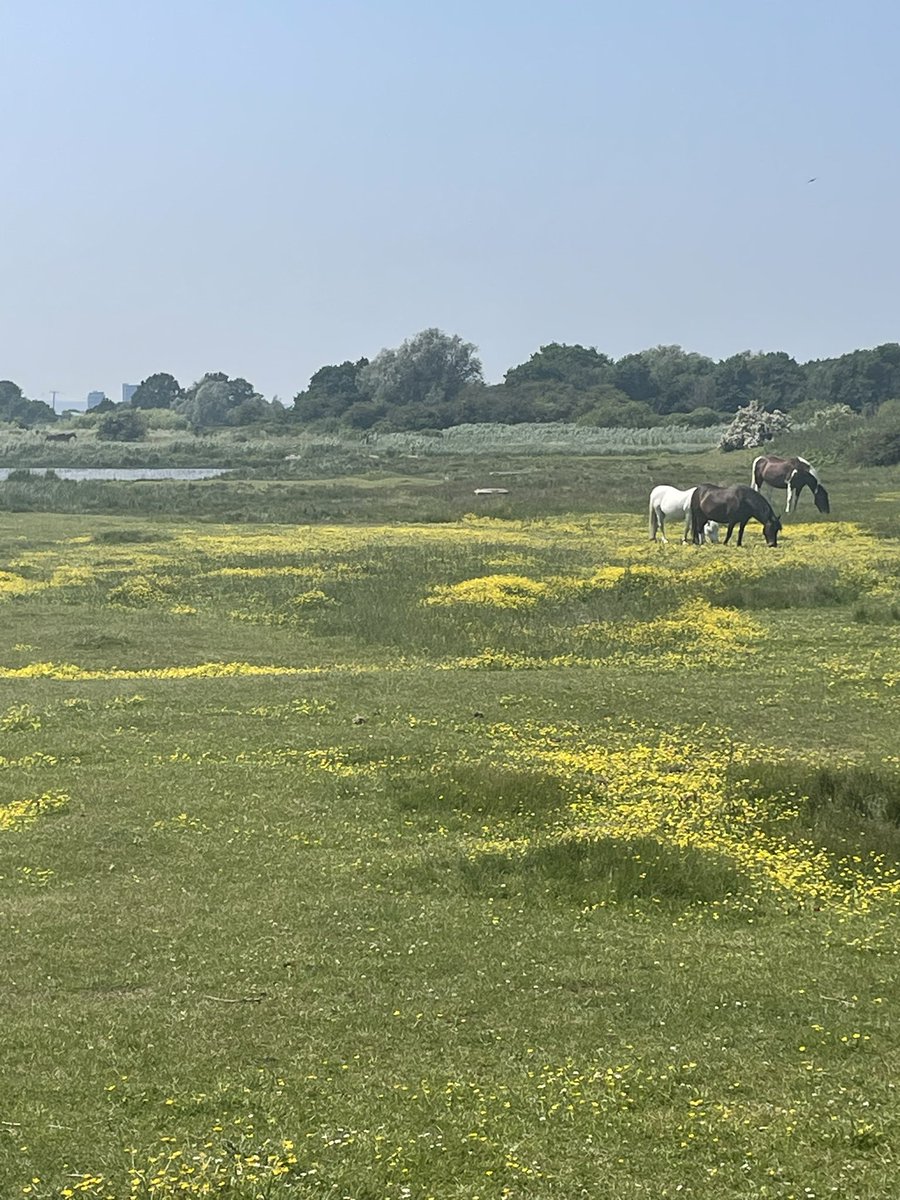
<point x="753" y="426"/>
<point x="880" y="447"/>
<point x="122" y="425"/>
<point x="164" y="418"/>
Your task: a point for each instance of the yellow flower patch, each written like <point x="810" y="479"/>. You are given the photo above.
<point x="491" y="591"/>
<point x="19" y="814"/>
<point x="678" y="792"/>
<point x="15" y="585"/>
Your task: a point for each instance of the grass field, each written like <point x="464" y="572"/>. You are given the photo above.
<point x="503" y="854"/>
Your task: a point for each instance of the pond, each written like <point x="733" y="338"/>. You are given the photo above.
<point x="122" y="473"/>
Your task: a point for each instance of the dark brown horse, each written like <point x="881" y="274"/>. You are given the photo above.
<point x="792" y="473"/>
<point x="732" y="506"/>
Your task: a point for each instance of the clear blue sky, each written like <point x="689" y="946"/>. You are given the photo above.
<point x="267" y="186"/>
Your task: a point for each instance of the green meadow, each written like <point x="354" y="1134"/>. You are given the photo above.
<point x="361" y="838"/>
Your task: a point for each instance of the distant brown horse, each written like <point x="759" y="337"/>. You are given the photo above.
<point x="60" y="437"/>
<point x="792" y="473"/>
<point x="732" y="506"/>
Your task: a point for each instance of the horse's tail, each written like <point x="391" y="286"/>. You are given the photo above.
<point x="697" y="518"/>
<point x="754" y="481"/>
<point x="654" y="521"/>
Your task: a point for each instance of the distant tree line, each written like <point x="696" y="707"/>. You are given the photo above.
<point x="435" y="380"/>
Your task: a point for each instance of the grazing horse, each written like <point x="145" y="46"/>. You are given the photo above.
<point x="792" y="473"/>
<point x="732" y="506"/>
<point x="60" y="437"/>
<point x="667" y="501"/>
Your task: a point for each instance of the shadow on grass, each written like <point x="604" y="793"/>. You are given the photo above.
<point x="479" y="790"/>
<point x="590" y="871"/>
<point x="851" y="811"/>
<point x="800" y="587"/>
<point x="117" y="537"/>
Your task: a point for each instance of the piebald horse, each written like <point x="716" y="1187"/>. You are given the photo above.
<point x="667" y="501"/>
<point x="792" y="473"/>
<point x="732" y="506"/>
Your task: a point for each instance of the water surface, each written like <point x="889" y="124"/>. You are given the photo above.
<point x="126" y="473"/>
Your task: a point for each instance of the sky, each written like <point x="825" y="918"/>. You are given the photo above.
<point x="268" y="186"/>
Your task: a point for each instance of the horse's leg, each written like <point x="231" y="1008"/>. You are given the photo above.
<point x="743" y="526"/>
<point x="697" y="521"/>
<point x="728" y="534"/>
<point x="658" y="524"/>
<point x="688" y="526"/>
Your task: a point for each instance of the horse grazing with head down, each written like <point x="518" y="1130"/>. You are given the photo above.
<point x="732" y="506"/>
<point x="792" y="473"/>
<point x="668" y="501"/>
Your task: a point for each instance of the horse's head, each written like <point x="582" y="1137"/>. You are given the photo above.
<point x="821" y="498"/>
<point x="771" y="530"/>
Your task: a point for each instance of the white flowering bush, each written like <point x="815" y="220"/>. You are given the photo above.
<point x="753" y="426"/>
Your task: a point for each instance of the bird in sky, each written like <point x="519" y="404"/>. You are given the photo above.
<point x="813" y="180"/>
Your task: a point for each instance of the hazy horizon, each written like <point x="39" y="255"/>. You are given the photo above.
<point x="266" y="189"/>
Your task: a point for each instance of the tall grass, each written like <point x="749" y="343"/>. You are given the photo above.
<point x="556" y="437"/>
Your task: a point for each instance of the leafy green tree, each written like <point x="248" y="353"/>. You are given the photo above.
<point x="157" y="391"/>
<point x="581" y="367"/>
<point x="667" y="378"/>
<point x="123" y="424"/>
<point x="216" y="400"/>
<point x="771" y="380"/>
<point x="431" y="368"/>
<point x="331" y="392"/>
<point x="19" y="410"/>
<point x="862" y="379"/>
<point x="633" y="376"/>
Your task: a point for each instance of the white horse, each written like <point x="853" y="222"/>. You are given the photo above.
<point x="667" y="501"/>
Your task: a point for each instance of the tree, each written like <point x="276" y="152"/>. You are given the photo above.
<point x="217" y="400"/>
<point x="331" y="392"/>
<point x="772" y="380"/>
<point x="157" y="391"/>
<point x="431" y="368"/>
<point x="667" y="378"/>
<point x="123" y="424"/>
<point x="862" y="379"/>
<point x="557" y="363"/>
<point x="19" y="410"/>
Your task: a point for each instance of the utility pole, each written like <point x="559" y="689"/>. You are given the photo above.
<point x="53" y="396"/>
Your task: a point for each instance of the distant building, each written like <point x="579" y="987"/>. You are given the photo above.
<point x="95" y="398"/>
<point x="128" y="390"/>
